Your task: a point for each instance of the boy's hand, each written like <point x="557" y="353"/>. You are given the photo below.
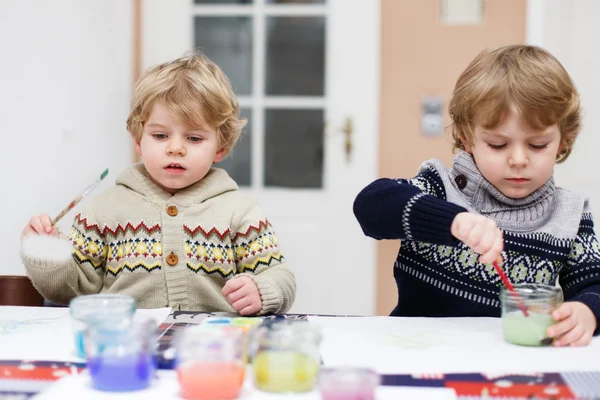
<point x="575" y="322"/>
<point x="243" y="295"/>
<point x="39" y="225"/>
<point x="479" y="233"/>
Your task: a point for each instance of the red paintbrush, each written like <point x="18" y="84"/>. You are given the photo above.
<point x="510" y="287"/>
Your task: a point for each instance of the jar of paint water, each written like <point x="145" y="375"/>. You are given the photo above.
<point x="121" y="357"/>
<point x="112" y="308"/>
<point x="287" y="357"/>
<point x="539" y="301"/>
<point x="348" y="383"/>
<point x="210" y="362"/>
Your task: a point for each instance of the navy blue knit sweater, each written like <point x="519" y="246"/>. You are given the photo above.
<point x="548" y="237"/>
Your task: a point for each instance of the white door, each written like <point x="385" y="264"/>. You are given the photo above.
<point x="304" y="71"/>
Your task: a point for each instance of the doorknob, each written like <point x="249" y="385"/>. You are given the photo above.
<point x="347" y="129"/>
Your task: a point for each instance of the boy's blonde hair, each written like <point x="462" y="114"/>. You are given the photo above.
<point x="195" y="91"/>
<point x="526" y="77"/>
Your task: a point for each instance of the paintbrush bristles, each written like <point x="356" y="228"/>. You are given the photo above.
<point x="48" y="248"/>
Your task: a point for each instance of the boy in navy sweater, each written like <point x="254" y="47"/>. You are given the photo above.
<point x="515" y="114"/>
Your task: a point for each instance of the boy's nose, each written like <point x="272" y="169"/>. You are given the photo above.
<point x="175" y="147"/>
<point x="518" y="158"/>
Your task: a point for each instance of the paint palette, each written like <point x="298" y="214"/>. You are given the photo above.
<point x="246" y="323"/>
<point x="181" y="319"/>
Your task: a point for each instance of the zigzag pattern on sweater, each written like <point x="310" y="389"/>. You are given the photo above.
<point x="215" y="269"/>
<point x="199" y="230"/>
<point x="81" y="259"/>
<point x="262" y="261"/>
<point x="119" y="229"/>
<point x="132" y="267"/>
<point x="266" y="261"/>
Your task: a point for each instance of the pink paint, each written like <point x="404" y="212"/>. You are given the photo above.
<point x="210" y="380"/>
<point x="348" y="384"/>
<point x="345" y="394"/>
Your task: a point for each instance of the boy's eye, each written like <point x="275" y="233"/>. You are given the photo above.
<point x="538" y="146"/>
<point x="497" y="146"/>
<point x="195" y="139"/>
<point x="159" y="135"/>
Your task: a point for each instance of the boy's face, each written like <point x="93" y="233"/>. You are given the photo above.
<point x="176" y="156"/>
<point x="516" y="159"/>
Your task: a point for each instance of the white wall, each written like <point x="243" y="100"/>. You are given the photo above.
<point x="570" y="30"/>
<point x="65" y="86"/>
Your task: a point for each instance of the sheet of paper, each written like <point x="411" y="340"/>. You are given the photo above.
<point x="44" y="333"/>
<point x="166" y="387"/>
<point x="435" y="345"/>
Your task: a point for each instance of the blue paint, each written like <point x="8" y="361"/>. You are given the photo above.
<point x="79" y="344"/>
<point x="220" y="321"/>
<point x="121" y="374"/>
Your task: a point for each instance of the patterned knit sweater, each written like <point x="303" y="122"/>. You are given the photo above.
<point x="548" y="236"/>
<point x="169" y="250"/>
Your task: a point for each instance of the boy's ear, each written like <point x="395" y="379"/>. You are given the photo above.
<point x="466" y="145"/>
<point x="138" y="148"/>
<point x="219" y="156"/>
<point x="562" y="147"/>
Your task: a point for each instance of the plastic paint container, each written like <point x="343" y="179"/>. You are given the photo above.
<point x="121" y="358"/>
<point x="210" y="362"/>
<point x="540" y="301"/>
<point x="348" y="384"/>
<point x="287" y="358"/>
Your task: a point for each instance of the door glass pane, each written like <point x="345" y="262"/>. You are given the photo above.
<point x="228" y="42"/>
<point x="295" y="62"/>
<point x="238" y="163"/>
<point x="222" y="1"/>
<point x="296" y="1"/>
<point x="294" y="148"/>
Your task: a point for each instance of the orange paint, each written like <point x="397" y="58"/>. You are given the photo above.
<point x="210" y="381"/>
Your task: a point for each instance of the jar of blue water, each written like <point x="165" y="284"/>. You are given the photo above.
<point x="121" y="358"/>
<point x="110" y="308"/>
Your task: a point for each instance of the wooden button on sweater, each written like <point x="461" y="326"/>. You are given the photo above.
<point x="172" y="259"/>
<point x="172" y="211"/>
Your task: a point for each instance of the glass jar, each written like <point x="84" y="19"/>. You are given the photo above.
<point x="210" y="362"/>
<point x="111" y="308"/>
<point x="348" y="383"/>
<point x="287" y="358"/>
<point x="121" y="357"/>
<point x="539" y="301"/>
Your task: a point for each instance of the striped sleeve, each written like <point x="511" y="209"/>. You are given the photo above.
<point x="414" y="209"/>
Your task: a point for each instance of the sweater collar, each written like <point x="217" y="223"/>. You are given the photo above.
<point x="486" y="199"/>
<point x="137" y="178"/>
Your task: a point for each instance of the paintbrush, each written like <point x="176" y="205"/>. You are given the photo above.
<point x="78" y="198"/>
<point x="510" y="287"/>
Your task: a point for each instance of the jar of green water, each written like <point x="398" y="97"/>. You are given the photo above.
<point x="287" y="357"/>
<point x="539" y="301"/>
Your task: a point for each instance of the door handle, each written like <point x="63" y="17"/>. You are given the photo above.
<point x="347" y="130"/>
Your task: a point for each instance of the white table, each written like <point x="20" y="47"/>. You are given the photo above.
<point x="390" y="345"/>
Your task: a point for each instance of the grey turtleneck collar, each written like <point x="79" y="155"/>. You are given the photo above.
<point x="466" y="187"/>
